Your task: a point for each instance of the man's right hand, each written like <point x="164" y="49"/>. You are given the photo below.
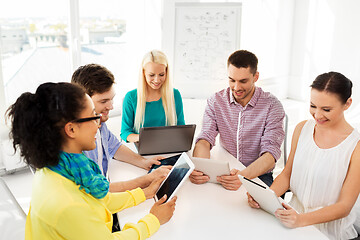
<point x="198" y="177"/>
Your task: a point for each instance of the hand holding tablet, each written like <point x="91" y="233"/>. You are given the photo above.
<point x="211" y="167"/>
<point x="176" y="177"/>
<point x="163" y="211"/>
<point x="169" y="161"/>
<point x="264" y="196"/>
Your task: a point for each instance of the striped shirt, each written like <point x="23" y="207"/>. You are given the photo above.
<point x="110" y="145"/>
<point x="245" y="132"/>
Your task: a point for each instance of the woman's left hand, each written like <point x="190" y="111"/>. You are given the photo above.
<point x="162" y="171"/>
<point x="150" y="190"/>
<point x="288" y="216"/>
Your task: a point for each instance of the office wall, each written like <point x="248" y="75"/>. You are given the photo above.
<point x="326" y="37"/>
<point x="266" y="30"/>
<point x="143" y="33"/>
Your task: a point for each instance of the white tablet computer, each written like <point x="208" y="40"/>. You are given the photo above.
<point x="266" y="197"/>
<point x="176" y="177"/>
<point x="211" y="167"/>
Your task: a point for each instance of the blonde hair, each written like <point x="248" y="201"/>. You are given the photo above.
<point x="167" y="91"/>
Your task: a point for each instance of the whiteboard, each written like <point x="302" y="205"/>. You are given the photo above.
<point x="205" y="35"/>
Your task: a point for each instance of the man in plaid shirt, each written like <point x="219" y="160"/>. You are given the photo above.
<point x="249" y="121"/>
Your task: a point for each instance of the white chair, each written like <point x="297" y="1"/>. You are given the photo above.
<point x="286" y="124"/>
<point x="12" y="217"/>
<point x="284" y="146"/>
<point x="32" y="169"/>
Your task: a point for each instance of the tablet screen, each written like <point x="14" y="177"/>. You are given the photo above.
<point x="177" y="174"/>
<point x="166" y="161"/>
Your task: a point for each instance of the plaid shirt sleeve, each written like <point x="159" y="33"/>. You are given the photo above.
<point x="209" y="129"/>
<point x="274" y="131"/>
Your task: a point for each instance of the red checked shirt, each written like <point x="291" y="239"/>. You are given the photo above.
<point x="245" y="132"/>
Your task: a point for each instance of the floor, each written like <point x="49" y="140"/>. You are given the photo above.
<point x="20" y="182"/>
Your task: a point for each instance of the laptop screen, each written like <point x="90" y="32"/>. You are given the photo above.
<point x="167" y="139"/>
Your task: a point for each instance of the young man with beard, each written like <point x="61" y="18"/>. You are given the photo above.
<point x="249" y="121"/>
<point x="98" y="83"/>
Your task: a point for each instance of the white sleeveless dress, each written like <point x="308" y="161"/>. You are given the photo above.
<point x="317" y="178"/>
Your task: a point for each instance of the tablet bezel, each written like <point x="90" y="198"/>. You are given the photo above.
<point x="263" y="195"/>
<point x="211" y="167"/>
<point x="162" y="162"/>
<point x="191" y="168"/>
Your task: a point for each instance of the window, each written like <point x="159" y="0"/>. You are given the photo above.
<point x="103" y="38"/>
<point x="34" y="47"/>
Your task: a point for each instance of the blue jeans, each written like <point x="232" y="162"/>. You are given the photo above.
<point x="267" y="178"/>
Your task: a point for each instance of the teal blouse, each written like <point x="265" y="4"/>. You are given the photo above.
<point x="154" y="113"/>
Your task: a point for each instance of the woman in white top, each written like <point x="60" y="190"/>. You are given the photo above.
<point x="323" y="170"/>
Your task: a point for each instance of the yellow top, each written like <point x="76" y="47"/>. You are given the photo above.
<point x="59" y="210"/>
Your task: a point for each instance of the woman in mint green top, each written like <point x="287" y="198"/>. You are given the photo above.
<point x="154" y="113"/>
<point x="155" y="102"/>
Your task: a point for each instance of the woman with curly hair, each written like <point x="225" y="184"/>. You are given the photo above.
<point x="70" y="197"/>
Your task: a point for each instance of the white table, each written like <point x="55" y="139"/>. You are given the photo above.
<point x="208" y="211"/>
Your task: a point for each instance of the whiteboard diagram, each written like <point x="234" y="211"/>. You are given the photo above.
<point x="205" y="35"/>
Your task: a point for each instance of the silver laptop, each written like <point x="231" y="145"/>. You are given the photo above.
<point x="167" y="139"/>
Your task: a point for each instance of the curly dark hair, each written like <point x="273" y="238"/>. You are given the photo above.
<point x="243" y="59"/>
<point x="38" y="120"/>
<point x="94" y="78"/>
<point x="334" y="82"/>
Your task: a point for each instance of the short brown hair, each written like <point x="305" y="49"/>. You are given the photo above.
<point x="243" y="59"/>
<point x="94" y="78"/>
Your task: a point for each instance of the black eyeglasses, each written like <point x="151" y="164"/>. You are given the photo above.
<point x="81" y="120"/>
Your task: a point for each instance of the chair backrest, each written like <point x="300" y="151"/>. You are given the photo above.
<point x="33" y="170"/>
<point x="286" y="125"/>
<point x="12" y="217"/>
